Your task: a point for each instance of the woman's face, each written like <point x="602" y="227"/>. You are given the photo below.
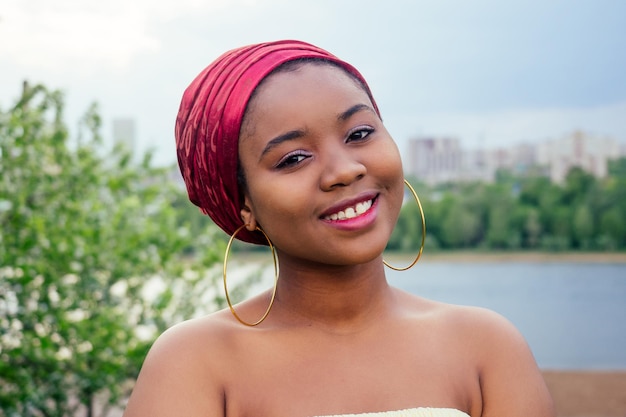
<point x="324" y="178"/>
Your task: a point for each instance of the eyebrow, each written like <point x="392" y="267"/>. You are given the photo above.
<point x="295" y="134"/>
<point x="291" y="135"/>
<point x="353" y="110"/>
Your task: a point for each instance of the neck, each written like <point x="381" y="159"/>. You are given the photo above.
<point x="337" y="298"/>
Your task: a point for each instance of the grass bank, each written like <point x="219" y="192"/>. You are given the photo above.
<point x="505" y="256"/>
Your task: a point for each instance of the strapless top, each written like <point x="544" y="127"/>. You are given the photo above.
<point x="411" y="412"/>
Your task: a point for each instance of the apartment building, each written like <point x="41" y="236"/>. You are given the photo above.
<point x="436" y="160"/>
<point x="578" y="149"/>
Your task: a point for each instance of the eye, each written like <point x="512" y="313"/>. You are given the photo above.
<point x="292" y="159"/>
<point x="359" y="133"/>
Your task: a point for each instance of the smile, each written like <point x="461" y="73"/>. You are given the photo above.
<point x="350" y="212"/>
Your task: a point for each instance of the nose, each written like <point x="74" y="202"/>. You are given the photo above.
<point x="342" y="168"/>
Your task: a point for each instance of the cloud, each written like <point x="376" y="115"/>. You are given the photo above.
<point x="86" y="36"/>
<point x="504" y="127"/>
<point x="485" y="72"/>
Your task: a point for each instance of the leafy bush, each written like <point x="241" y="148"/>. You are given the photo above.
<point x="92" y="264"/>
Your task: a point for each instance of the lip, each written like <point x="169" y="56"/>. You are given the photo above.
<point x="357" y="222"/>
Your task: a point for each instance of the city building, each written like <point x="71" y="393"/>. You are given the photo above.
<point x="578" y="149"/>
<point x="437" y="160"/>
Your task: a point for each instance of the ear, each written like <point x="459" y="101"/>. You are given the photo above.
<point x="247" y="214"/>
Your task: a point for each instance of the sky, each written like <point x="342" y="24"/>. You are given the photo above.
<point x="492" y="73"/>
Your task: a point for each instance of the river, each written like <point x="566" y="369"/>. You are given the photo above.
<point x="573" y="315"/>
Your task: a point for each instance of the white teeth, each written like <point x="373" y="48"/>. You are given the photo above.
<point x="351" y="212"/>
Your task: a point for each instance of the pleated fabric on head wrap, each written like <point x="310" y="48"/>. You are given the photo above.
<point x="209" y="120"/>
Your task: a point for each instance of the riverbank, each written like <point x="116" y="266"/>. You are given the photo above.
<point x="530" y="257"/>
<point x="478" y="256"/>
<point x="587" y="393"/>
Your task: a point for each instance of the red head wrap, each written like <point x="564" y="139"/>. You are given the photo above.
<point x="209" y="119"/>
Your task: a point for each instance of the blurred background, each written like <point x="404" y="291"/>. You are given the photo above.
<point x="510" y="118"/>
<point x="488" y="73"/>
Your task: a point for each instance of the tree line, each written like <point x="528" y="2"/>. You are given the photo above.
<point x="520" y="213"/>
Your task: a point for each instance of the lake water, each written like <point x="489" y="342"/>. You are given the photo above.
<point x="573" y="315"/>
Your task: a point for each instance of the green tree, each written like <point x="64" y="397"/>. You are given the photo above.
<point x="91" y="262"/>
<point x="461" y="226"/>
<point x="582" y="226"/>
<point x="501" y="215"/>
<point x="578" y="183"/>
<point x="612" y="229"/>
<point x="617" y="168"/>
<point x="528" y="212"/>
<point x="531" y="228"/>
<point x="407" y="234"/>
<point x="609" y="203"/>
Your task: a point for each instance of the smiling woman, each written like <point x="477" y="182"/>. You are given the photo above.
<point x="282" y="143"/>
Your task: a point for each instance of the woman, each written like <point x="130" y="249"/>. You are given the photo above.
<point x="283" y="141"/>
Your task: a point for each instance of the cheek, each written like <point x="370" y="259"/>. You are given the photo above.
<point x="273" y="203"/>
<point x="388" y="167"/>
<point x="387" y="160"/>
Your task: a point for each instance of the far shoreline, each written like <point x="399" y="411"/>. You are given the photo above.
<point x="471" y="256"/>
<point x="587" y="393"/>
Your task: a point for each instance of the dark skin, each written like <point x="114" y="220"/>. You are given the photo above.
<point x="338" y="339"/>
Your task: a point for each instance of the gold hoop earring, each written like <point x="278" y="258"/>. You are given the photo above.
<point x="419" y="254"/>
<point x="230" y="305"/>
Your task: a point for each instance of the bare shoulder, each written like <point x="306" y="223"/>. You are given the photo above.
<point x="510" y="381"/>
<point x="476" y="325"/>
<point x="482" y="329"/>
<point x="181" y="373"/>
<point x="479" y="329"/>
<point x="489" y="337"/>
